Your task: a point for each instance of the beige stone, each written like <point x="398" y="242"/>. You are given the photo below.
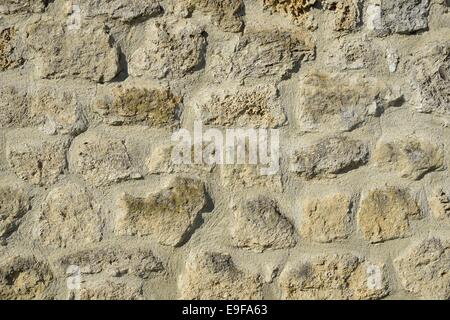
<point x="11" y="54"/>
<point x="423" y="269"/>
<point x="24" y="278"/>
<point x="39" y="159"/>
<point x="155" y="107"/>
<point x="411" y="157"/>
<point x="439" y="204"/>
<point x="326" y="219"/>
<point x="225" y="14"/>
<point x="172" y="51"/>
<point x="341" y="102"/>
<point x="333" y="277"/>
<point x="348" y="15"/>
<point x="214" y="276"/>
<point x="169" y="215"/>
<point x="14" y="106"/>
<point x="258" y="225"/>
<point x="69" y="218"/>
<point x="85" y="53"/>
<point x="20" y="6"/>
<point x="123" y="10"/>
<point x="263" y="54"/>
<point x="14" y="204"/>
<point x="115" y="262"/>
<point x="384" y="214"/>
<point x="108" y="290"/>
<point x="430" y="76"/>
<point x="256" y="107"/>
<point x="241" y="177"/>
<point x="329" y="157"/>
<point x="100" y="159"/>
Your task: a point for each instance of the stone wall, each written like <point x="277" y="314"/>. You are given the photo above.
<point x="92" y="207"/>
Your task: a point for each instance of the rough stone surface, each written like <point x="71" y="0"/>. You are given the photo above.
<point x="100" y="160"/>
<point x="20" y="6"/>
<point x="24" y="278"/>
<point x="69" y="218"/>
<point x="384" y="214"/>
<point x="430" y="76"/>
<point x="87" y="52"/>
<point x="14" y="203"/>
<point x="172" y="51"/>
<point x="263" y="54"/>
<point x="212" y="275"/>
<point x="168" y="216"/>
<point x="40" y="159"/>
<point x="258" y="225"/>
<point x="255" y="107"/>
<point x="124" y="10"/>
<point x="405" y="16"/>
<point x="115" y="262"/>
<point x="439" y="204"/>
<point x="411" y="158"/>
<point x="131" y="105"/>
<point x="341" y="101"/>
<point x="225" y="14"/>
<point x="326" y="219"/>
<point x="330" y="157"/>
<point x="333" y="277"/>
<point x="423" y="269"/>
<point x="109" y="290"/>
<point x="10" y="53"/>
<point x="97" y="98"/>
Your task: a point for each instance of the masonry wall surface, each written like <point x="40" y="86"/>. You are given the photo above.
<point x="92" y="205"/>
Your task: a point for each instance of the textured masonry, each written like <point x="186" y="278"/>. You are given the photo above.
<point x="93" y="207"/>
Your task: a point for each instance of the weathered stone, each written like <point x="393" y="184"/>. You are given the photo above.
<point x="258" y="225"/>
<point x="341" y="101"/>
<point x="11" y="54"/>
<point x="214" y="276"/>
<point x="257" y="107"/>
<point x="263" y="54"/>
<point x="248" y="176"/>
<point x="21" y="6"/>
<point x="24" y="278"/>
<point x="384" y="214"/>
<point x="115" y="262"/>
<point x="333" y="277"/>
<point x="348" y="13"/>
<point x="172" y="51"/>
<point x="329" y="157"/>
<point x="14" y="203"/>
<point x="38" y="159"/>
<point x="52" y="110"/>
<point x="123" y="10"/>
<point x="99" y="159"/>
<point x="439" y="204"/>
<point x="326" y="219"/>
<point x="430" y="74"/>
<point x="423" y="269"/>
<point x="154" y="107"/>
<point x="296" y="8"/>
<point x="169" y="215"/>
<point x="161" y="160"/>
<point x="109" y="290"/>
<point x="225" y="14"/>
<point x="398" y="16"/>
<point x="87" y="53"/>
<point x="69" y="218"/>
<point x="411" y="158"/>
<point x="14" y="106"/>
<point x="57" y="111"/>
